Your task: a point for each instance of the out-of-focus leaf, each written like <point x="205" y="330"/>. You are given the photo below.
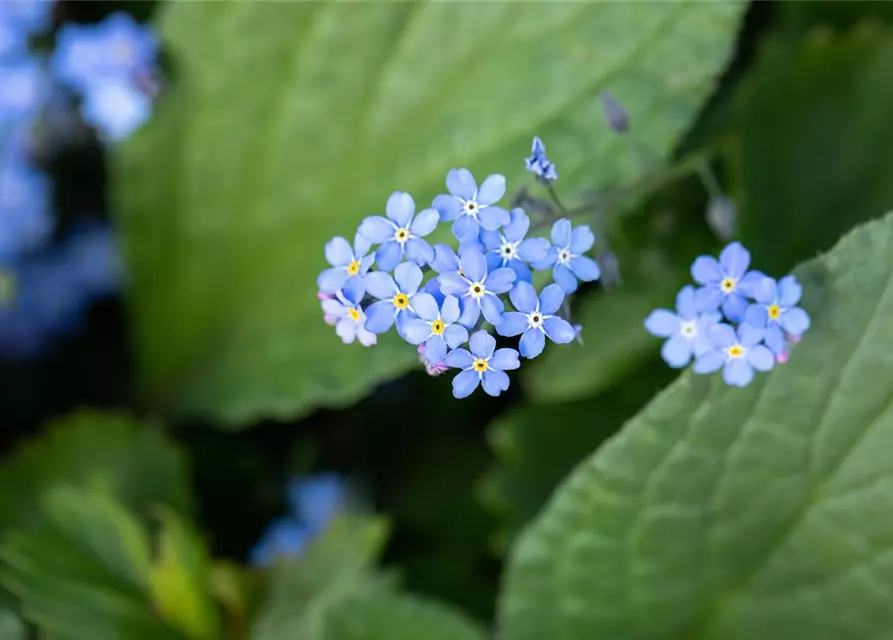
<point x="11" y="625"/>
<point x="263" y="151"/>
<point x="726" y="513"/>
<point x="797" y="18"/>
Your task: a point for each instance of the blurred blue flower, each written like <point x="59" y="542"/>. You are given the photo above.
<point x="435" y="326"/>
<point x="479" y="287"/>
<point x="19" y="21"/>
<point x="470" y="207"/>
<point x="566" y="257"/>
<point x="509" y="248"/>
<point x="24" y="90"/>
<point x="401" y="233"/>
<point x="538" y="162"/>
<point x="726" y="283"/>
<point x="95" y="261"/>
<point x="534" y="319"/>
<point x="482" y="365"/>
<point x="738" y="353"/>
<point x="395" y="295"/>
<point x="347" y="262"/>
<point x="776" y="309"/>
<point x="25" y="207"/>
<point x="116" y="109"/>
<point x="686" y="330"/>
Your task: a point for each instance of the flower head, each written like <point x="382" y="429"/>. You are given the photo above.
<point x="395" y="295"/>
<point x="21" y="20"/>
<point x="24" y="90"/>
<point x="726" y="283"/>
<point x="25" y="208"/>
<point x="436" y="326"/>
<point x="738" y="353"/>
<point x="482" y="365"/>
<point x="479" y="288"/>
<point x="400" y="233"/>
<point x="116" y="109"/>
<point x="686" y="330"/>
<point x="348" y="316"/>
<point x="509" y="248"/>
<point x="539" y="163"/>
<point x="347" y="262"/>
<point x="776" y="309"/>
<point x="470" y="207"/>
<point x="566" y="257"/>
<point x="534" y="319"/>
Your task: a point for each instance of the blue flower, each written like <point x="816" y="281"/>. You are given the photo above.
<point x="21" y="20"/>
<point x="687" y="329"/>
<point x="737" y="353"/>
<point x="483" y="365"/>
<point x="436" y="327"/>
<point x="25" y="208"/>
<point x="508" y="248"/>
<point x="348" y="314"/>
<point x="776" y="309"/>
<point x="539" y="163"/>
<point x="347" y="262"/>
<point x="535" y="319"/>
<point x="477" y="287"/>
<point x="566" y="256"/>
<point x="116" y="109"/>
<point x="395" y="296"/>
<point x="24" y="89"/>
<point x="472" y="208"/>
<point x="726" y="283"/>
<point x="400" y="234"/>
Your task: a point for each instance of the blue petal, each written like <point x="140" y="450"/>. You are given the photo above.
<point x="749" y="335"/>
<point x="756" y="315"/>
<point x="494" y="262"/>
<point x="501" y="280"/>
<point x="686" y="304"/>
<point x="492" y="218"/>
<point x="425" y="222"/>
<point x="471" y="313"/>
<point x="548" y="261"/>
<point x="445" y="259"/>
<point x="491" y="239"/>
<point x="415" y="331"/>
<point x="466" y="228"/>
<point x="734" y="306"/>
<point x="474" y="265"/>
<point x="561" y="233"/>
<point x="789" y="291"/>
<point x="408" y="277"/>
<point x="465" y="383"/>
<point x="582" y="240"/>
<point x="722" y="335"/>
<point x="346" y="329"/>
<point x="532" y="343"/>
<point x="435" y="349"/>
<point x="380" y="285"/>
<point x="513" y="324"/>
<point x="748" y="284"/>
<point x="710" y="362"/>
<point x="419" y="251"/>
<point x="563" y="277"/>
<point x="334" y="308"/>
<point x="760" y="358"/>
<point x="505" y="360"/>
<point x="461" y="183"/>
<point x="766" y="292"/>
<point x="361" y="246"/>
<point x="517" y="227"/>
<point x="775" y="340"/>
<point x="331" y="280"/>
<point x="551" y="298"/>
<point x="376" y="229"/>
<point x="734" y="260"/>
<point x="400" y="208"/>
<point x="585" y="268"/>
<point x="319" y="498"/>
<point x="523" y="297"/>
<point x="538" y="147"/>
<point x="288" y="537"/>
<point x="449" y="311"/>
<point x="354" y="290"/>
<point x="706" y="270"/>
<point x="447" y="206"/>
<point x="709" y="297"/>
<point x="491" y="191"/>
<point x="455" y="334"/>
<point x="389" y="255"/>
<point x="795" y="321"/>
<point x="482" y="344"/>
<point x="676" y="352"/>
<point x="495" y="382"/>
<point x="425" y="306"/>
<point x="366" y="263"/>
<point x="522" y="271"/>
<point x="380" y="316"/>
<point x="492" y="308"/>
<point x="459" y="359"/>
<point x="701" y="345"/>
<point x="533" y="249"/>
<point x="559" y="330"/>
<point x="737" y="373"/>
<point x="338" y="252"/>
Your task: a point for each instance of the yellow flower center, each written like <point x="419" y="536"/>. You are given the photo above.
<point x="477" y="290"/>
<point x="480" y="365"/>
<point x="774" y="312"/>
<point x="354" y="314"/>
<point x="401" y="301"/>
<point x="437" y="327"/>
<point x="736" y="351"/>
<point x="402" y="235"/>
<point x="353" y="268"/>
<point x="727" y="285"/>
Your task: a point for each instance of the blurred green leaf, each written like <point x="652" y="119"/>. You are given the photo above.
<point x="728" y="513"/>
<point x="797" y="18"/>
<point x="815" y="150"/>
<point x="11" y="625"/>
<point x="263" y="151"/>
<point x="134" y="459"/>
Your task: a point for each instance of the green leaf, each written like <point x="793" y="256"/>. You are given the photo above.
<point x="725" y="513"/>
<point x="11" y="625"/>
<point x="265" y="150"/>
<point x="824" y="183"/>
<point x="134" y="459"/>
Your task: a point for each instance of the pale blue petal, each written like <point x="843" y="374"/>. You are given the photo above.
<point x="747" y="285"/>
<point x="451" y="283"/>
<point x="491" y="190"/>
<point x="317" y="500"/>
<point x="775" y="339"/>
<point x="737" y="373"/>
<point x="419" y="251"/>
<point x="425" y="222"/>
<point x="389" y="255"/>
<point x="331" y="280"/>
<point x="710" y="362"/>
<point x="408" y="277"/>
<point x="495" y="382"/>
<point x="517" y="227"/>
<point x="766" y="292"/>
<point x="466" y="228"/>
<point x="501" y="280"/>
<point x="756" y="315"/>
<point x="459" y="359"/>
<point x="749" y="335"/>
<point x="461" y="183"/>
<point x="532" y="343"/>
<point x="513" y="324"/>
<point x="465" y="383"/>
<point x="548" y="261"/>
<point x="346" y="329"/>
<point x="474" y="265"/>
<point x="471" y="313"/>
<point x="701" y="345"/>
<point x="522" y="271"/>
<point x="425" y="306"/>
<point x="585" y="268"/>
<point x="563" y="277"/>
<point x="445" y="259"/>
<point x="706" y="270"/>
<point x="366" y="263"/>
<point x="361" y="246"/>
<point x="686" y="303"/>
<point x="482" y="344"/>
<point x="533" y="249"/>
<point x="491" y="240"/>
<point x="760" y="358"/>
<point x="380" y="316"/>
<point x="455" y="335"/>
<point x="376" y="229"/>
<point x="734" y="260"/>
<point x="662" y="323"/>
<point x="449" y="311"/>
<point x="523" y="297"/>
<point x="722" y="335"/>
<point x="734" y="306"/>
<point x="494" y="262"/>
<point x="551" y="298"/>
<point x="709" y="297"/>
<point x="561" y="233"/>
<point x="559" y="330"/>
<point x="338" y="252"/>
<point x="380" y="285"/>
<point x="505" y="360"/>
<point x="435" y="349"/>
<point x="582" y="240"/>
<point x="676" y="352"/>
<point x="789" y="291"/>
<point x="492" y="218"/>
<point x="447" y="206"/>
<point x="795" y="321"/>
<point x="492" y="308"/>
<point x="354" y="290"/>
<point x="400" y="208"/>
<point x="334" y="308"/>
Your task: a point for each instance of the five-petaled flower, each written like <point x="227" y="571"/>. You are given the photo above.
<point x="395" y="295"/>
<point x="436" y="327"/>
<point x="477" y="287"/>
<point x="509" y="248"/>
<point x="348" y="315"/>
<point x="471" y="207"/>
<point x="538" y="162"/>
<point x="534" y="319"/>
<point x="400" y="234"/>
<point x="483" y="365"/>
<point x="566" y="255"/>
<point x="686" y="330"/>
<point x="738" y="353"/>
<point x="347" y="262"/>
<point x="776" y="309"/>
<point x="727" y="282"/>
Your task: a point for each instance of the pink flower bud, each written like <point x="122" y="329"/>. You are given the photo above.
<point x="782" y="357"/>
<point x="324" y="296"/>
<point x="435" y="369"/>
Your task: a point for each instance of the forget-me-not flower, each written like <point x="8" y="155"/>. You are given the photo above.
<point x="24" y="89"/>
<point x="395" y="296"/>
<point x="116" y="109"/>
<point x="776" y="309"/>
<point x="472" y="208"/>
<point x="25" y="207"/>
<point x="436" y="326"/>
<point x="538" y="162"/>
<point x="350" y="320"/>
<point x="566" y="255"/>
<point x="686" y="330"/>
<point x="347" y="262"/>
<point x="509" y="248"/>
<point x="726" y="283"/>
<point x="477" y="287"/>
<point x="482" y="364"/>
<point x="21" y="20"/>
<point x="534" y="319"/>
<point x="400" y="234"/>
<point x="738" y="353"/>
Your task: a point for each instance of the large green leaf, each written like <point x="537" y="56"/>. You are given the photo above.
<point x="134" y="459"/>
<point x="288" y="123"/>
<point x="728" y="513"/>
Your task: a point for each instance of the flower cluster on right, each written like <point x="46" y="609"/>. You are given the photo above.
<point x="737" y="320"/>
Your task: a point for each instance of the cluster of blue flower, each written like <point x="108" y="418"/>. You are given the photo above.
<point x="465" y="288"/>
<point x="44" y="285"/>
<point x="761" y="319"/>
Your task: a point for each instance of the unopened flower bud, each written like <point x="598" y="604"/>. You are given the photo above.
<point x="722" y="216"/>
<point x="782" y="357"/>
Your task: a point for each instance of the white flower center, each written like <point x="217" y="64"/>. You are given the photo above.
<point x="689" y="329"/>
<point x="477" y="290"/>
<point x="535" y="319"/>
<point x="508" y="250"/>
<point x="401" y="235"/>
<point x="564" y="255"/>
<point x="471" y="208"/>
